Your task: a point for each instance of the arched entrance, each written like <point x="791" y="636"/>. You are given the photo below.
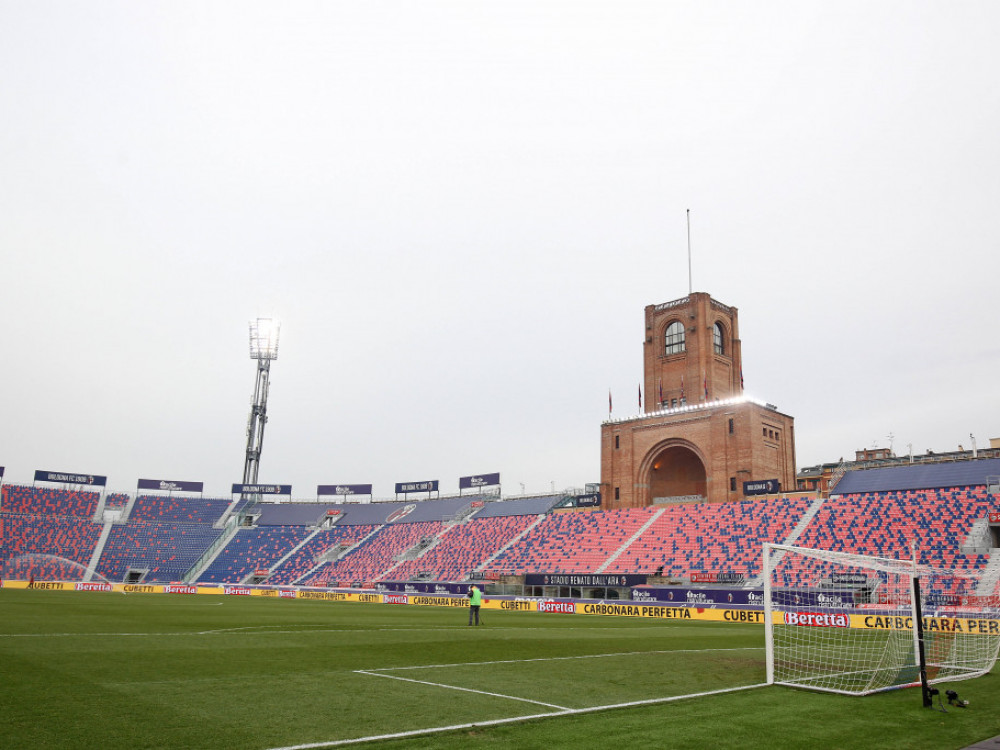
<point x="676" y="471"/>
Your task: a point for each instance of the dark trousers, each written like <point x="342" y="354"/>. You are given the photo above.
<point x="474" y="612"/>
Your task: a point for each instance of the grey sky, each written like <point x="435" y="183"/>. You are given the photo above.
<point x="458" y="211"/>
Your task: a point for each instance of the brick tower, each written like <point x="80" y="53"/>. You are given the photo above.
<point x="700" y="437"/>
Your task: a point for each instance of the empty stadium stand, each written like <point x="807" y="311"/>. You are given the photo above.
<point x="178" y="508"/>
<point x="165" y="551"/>
<point x="48" y="502"/>
<point x="70" y="537"/>
<point x="163" y="537"/>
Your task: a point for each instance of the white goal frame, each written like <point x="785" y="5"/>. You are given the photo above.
<point x="870" y="636"/>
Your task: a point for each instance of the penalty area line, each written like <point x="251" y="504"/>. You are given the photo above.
<point x="456" y="687"/>
<point x="511" y="719"/>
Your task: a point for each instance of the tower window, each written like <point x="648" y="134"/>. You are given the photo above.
<point x="717" y="339"/>
<point x="674" y="338"/>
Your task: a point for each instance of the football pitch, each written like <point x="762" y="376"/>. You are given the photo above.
<point x="109" y="670"/>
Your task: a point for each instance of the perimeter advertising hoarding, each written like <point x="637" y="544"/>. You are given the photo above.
<point x="344" y="489"/>
<point x="883" y="620"/>
<point x="423" y="587"/>
<point x="262" y="489"/>
<point x="994" y="516"/>
<point x="745" y="597"/>
<point x="429" y="486"/>
<point x="69" y="478"/>
<point x="479" y="480"/>
<point x="583" y="579"/>
<point x="165" y="486"/>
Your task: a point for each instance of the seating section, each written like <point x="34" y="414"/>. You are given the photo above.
<point x="116" y="500"/>
<point x="69" y="537"/>
<point x="304" y="559"/>
<point x="168" y="534"/>
<point x="711" y="537"/>
<point x="167" y="550"/>
<point x="571" y="542"/>
<point x="465" y="547"/>
<point x="179" y="508"/>
<point x="253" y="549"/>
<point x="43" y="501"/>
<point x="888" y="524"/>
<point x="373" y="559"/>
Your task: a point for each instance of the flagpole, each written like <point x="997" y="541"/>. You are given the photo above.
<point x="690" y="285"/>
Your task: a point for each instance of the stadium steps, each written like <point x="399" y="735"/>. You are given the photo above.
<point x="978" y="541"/>
<point x="227" y="512"/>
<point x="792" y="537"/>
<point x="425" y="545"/>
<point x="211" y="553"/>
<point x="99" y="510"/>
<point x="295" y="549"/>
<point x="127" y="510"/>
<point x="340" y="556"/>
<point x="488" y="561"/>
<point x="806" y="519"/>
<point x="628" y="542"/>
<point x="990" y="576"/>
<point x="98" y="549"/>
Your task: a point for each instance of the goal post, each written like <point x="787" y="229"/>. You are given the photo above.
<point x="857" y="624"/>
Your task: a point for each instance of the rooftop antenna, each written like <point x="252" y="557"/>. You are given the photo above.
<point x="690" y="286"/>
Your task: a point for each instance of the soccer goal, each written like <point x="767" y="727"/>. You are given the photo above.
<point x="856" y="625"/>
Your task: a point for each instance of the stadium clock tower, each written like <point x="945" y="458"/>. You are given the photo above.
<point x="700" y="437"/>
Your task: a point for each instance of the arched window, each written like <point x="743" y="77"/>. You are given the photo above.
<point x="674" y="338"/>
<point x="718" y="339"/>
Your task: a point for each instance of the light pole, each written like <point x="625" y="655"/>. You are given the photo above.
<point x="263" y="348"/>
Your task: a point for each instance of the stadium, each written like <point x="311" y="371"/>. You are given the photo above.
<point x="507" y="487"/>
<point x="266" y="620"/>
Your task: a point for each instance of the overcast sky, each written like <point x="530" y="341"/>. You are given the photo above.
<point x="458" y="211"/>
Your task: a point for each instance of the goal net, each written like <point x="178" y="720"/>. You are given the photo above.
<point x="857" y="625"/>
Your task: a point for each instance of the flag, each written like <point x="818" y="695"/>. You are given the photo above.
<point x="705" y="383"/>
<point x="609" y="402"/>
<point x="741" y="377"/>
<point x="682" y="387"/>
<point x="640" y="396"/>
<point x="659" y="385"/>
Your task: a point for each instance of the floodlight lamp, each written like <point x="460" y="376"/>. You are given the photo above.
<point x="264" y="338"/>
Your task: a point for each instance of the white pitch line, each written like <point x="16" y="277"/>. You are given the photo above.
<point x="464" y="690"/>
<point x="562" y="658"/>
<point x="510" y="720"/>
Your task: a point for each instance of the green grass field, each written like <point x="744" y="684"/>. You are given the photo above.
<point x="103" y="670"/>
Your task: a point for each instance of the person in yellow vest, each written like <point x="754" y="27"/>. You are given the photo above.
<point x="475" y="601"/>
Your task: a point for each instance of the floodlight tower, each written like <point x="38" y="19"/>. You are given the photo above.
<point x="263" y="348"/>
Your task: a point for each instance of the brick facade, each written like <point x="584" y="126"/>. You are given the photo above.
<point x="700" y="437"/>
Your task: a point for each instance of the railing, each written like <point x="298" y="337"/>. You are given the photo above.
<point x="223" y="540"/>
